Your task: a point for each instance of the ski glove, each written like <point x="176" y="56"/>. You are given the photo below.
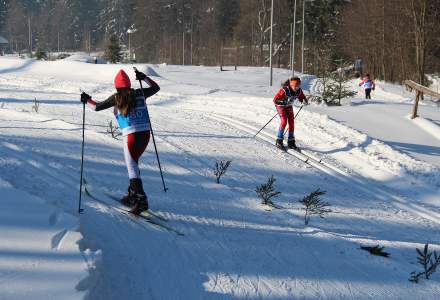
<point x="85" y="97"/>
<point x="280" y="102"/>
<point x="140" y="75"/>
<point x="285" y="101"/>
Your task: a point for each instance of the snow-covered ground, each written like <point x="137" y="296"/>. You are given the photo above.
<point x="387" y="118"/>
<point x="383" y="188"/>
<point x="39" y="254"/>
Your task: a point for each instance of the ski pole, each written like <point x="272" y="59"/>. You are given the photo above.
<point x="285" y="131"/>
<point x="152" y="134"/>
<point x="80" y="210"/>
<point x="266" y="124"/>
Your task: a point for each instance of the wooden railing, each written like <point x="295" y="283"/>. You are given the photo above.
<point x="420" y="91"/>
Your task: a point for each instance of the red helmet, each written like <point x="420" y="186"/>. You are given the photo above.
<point x="122" y="80"/>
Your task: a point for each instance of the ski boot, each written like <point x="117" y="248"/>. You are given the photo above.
<point x="279" y="144"/>
<point x="140" y="202"/>
<point x="291" y="144"/>
<point x="129" y="199"/>
<point x="140" y="205"/>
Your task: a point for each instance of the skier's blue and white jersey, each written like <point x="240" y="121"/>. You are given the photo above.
<point x="136" y="120"/>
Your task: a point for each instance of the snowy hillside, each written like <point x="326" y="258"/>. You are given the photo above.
<point x="379" y="169"/>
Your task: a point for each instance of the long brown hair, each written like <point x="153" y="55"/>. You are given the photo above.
<point x="125" y="100"/>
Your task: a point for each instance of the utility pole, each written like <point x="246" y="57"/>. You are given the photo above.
<point x="90" y="42"/>
<point x="293" y="39"/>
<point x="302" y="46"/>
<point x="291" y="45"/>
<point x="130" y="31"/>
<point x="191" y="41"/>
<point x="270" y="46"/>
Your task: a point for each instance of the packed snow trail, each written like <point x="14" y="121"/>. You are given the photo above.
<point x="232" y="247"/>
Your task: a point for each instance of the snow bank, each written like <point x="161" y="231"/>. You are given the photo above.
<point x="85" y="58"/>
<point x="39" y="255"/>
<point x="428" y="126"/>
<point x="149" y="71"/>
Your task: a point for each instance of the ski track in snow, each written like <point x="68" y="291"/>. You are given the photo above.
<point x="232" y="247"/>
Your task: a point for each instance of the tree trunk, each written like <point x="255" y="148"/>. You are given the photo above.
<point x="419" y="18"/>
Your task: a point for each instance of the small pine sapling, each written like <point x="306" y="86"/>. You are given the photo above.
<point x="113" y="130"/>
<point x="267" y="191"/>
<point x="314" y="205"/>
<point x="429" y="261"/>
<point x="220" y="168"/>
<point x="36" y="105"/>
<point x="41" y="54"/>
<point x="376" y="250"/>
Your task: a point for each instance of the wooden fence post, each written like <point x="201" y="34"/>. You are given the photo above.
<point x="420" y="92"/>
<point x="416" y="105"/>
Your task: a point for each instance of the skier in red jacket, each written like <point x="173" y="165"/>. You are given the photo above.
<point x="131" y="113"/>
<point x="283" y="101"/>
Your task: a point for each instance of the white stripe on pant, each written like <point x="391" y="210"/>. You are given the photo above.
<point x="132" y="166"/>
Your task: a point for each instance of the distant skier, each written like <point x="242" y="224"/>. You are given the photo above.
<point x="368" y="85"/>
<point x="283" y="100"/>
<point x="131" y="113"/>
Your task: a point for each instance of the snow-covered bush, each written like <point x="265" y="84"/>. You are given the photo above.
<point x="40" y="54"/>
<point x="220" y="168"/>
<point x="429" y="261"/>
<point x="376" y="250"/>
<point x="113" y="130"/>
<point x="36" y="105"/>
<point x="314" y="205"/>
<point x="267" y="191"/>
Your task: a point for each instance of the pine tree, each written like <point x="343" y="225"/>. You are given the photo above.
<point x="322" y="20"/>
<point x="114" y="17"/>
<point x="227" y="13"/>
<point x="113" y="52"/>
<point x="338" y="87"/>
<point x="15" y="28"/>
<point x="3" y="14"/>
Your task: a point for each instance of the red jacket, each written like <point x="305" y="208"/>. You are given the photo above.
<point x="281" y="95"/>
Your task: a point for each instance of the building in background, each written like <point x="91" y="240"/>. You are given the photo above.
<point x="3" y="45"/>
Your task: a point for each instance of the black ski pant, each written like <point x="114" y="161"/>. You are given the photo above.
<point x="367" y="93"/>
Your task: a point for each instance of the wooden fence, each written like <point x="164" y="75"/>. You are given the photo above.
<point x="420" y="91"/>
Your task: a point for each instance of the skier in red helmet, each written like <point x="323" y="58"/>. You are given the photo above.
<point x="283" y="100"/>
<point x="131" y="113"/>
